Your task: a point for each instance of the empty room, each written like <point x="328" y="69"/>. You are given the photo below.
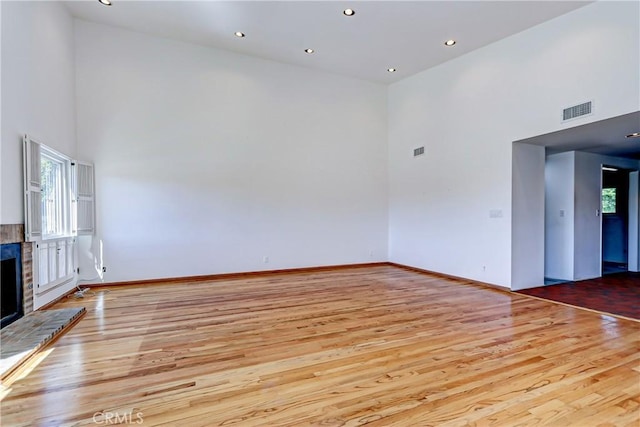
<point x="264" y="213"/>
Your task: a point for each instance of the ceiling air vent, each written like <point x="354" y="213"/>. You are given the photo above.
<point x="418" y="151"/>
<point x="576" y="111"/>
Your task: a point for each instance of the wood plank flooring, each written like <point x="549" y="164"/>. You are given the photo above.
<point x="377" y="345"/>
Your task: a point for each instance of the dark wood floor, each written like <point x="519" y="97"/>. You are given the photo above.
<point x="617" y="294"/>
<point x="377" y="345"/>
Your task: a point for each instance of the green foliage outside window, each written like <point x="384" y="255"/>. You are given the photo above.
<point x="609" y="200"/>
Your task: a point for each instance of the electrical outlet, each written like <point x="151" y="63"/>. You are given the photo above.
<point x="104" y="269"/>
<point x="265" y="260"/>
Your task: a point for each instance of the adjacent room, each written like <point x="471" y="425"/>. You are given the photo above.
<point x="320" y="212"/>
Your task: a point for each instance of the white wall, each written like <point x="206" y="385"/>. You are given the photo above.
<point x="468" y="111"/>
<point x="1" y="137"/>
<point x="38" y="83"/>
<point x="207" y="161"/>
<point x="527" y="225"/>
<point x="38" y="97"/>
<point x="229" y="158"/>
<point x="559" y="216"/>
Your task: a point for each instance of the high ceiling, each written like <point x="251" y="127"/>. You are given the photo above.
<point x="406" y="35"/>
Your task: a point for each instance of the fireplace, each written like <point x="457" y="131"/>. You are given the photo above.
<point x="14" y="234"/>
<point x="11" y="283"/>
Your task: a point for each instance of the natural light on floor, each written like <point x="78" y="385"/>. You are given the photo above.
<point x="23" y="371"/>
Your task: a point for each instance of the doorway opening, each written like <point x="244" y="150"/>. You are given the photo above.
<point x="556" y="211"/>
<point x="615" y="219"/>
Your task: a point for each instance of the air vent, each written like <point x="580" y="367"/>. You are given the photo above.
<point x="576" y="111"/>
<point x="418" y="151"/>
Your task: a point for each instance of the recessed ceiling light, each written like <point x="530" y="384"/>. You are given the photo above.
<point x="450" y="42"/>
<point x="391" y="70"/>
<point x="634" y="135"/>
<point x="349" y="12"/>
<point x="239" y="34"/>
<point x="105" y="2"/>
<point x="309" y="50"/>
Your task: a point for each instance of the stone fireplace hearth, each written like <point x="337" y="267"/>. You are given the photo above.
<point x="14" y="233"/>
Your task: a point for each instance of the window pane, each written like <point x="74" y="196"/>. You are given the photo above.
<point x="609" y="200"/>
<point x="52" y="196"/>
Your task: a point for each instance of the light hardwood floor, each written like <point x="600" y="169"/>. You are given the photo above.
<point x="378" y="345"/>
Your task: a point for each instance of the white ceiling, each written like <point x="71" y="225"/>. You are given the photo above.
<point x="406" y="35"/>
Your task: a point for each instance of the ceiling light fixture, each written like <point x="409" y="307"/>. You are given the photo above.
<point x="450" y="42"/>
<point x="105" y="2"/>
<point x="239" y="34"/>
<point x="634" y="135"/>
<point x="309" y="51"/>
<point x="349" y="12"/>
<point x="391" y="70"/>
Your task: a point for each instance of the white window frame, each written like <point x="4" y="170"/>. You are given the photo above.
<point x="64" y="228"/>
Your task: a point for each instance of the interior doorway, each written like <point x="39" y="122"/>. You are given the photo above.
<point x="615" y="219"/>
<point x="557" y="221"/>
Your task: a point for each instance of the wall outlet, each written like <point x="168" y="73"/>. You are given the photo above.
<point x="104" y="269"/>
<point x="265" y="260"/>
<point x="370" y="254"/>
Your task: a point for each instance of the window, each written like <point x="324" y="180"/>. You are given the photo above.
<point x="608" y="200"/>
<point x="54" y="193"/>
<point x="59" y="194"/>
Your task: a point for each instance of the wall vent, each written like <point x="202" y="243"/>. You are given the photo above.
<point x="577" y="111"/>
<point x="418" y="151"/>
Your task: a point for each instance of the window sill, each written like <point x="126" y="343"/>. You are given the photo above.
<point x="57" y="237"/>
